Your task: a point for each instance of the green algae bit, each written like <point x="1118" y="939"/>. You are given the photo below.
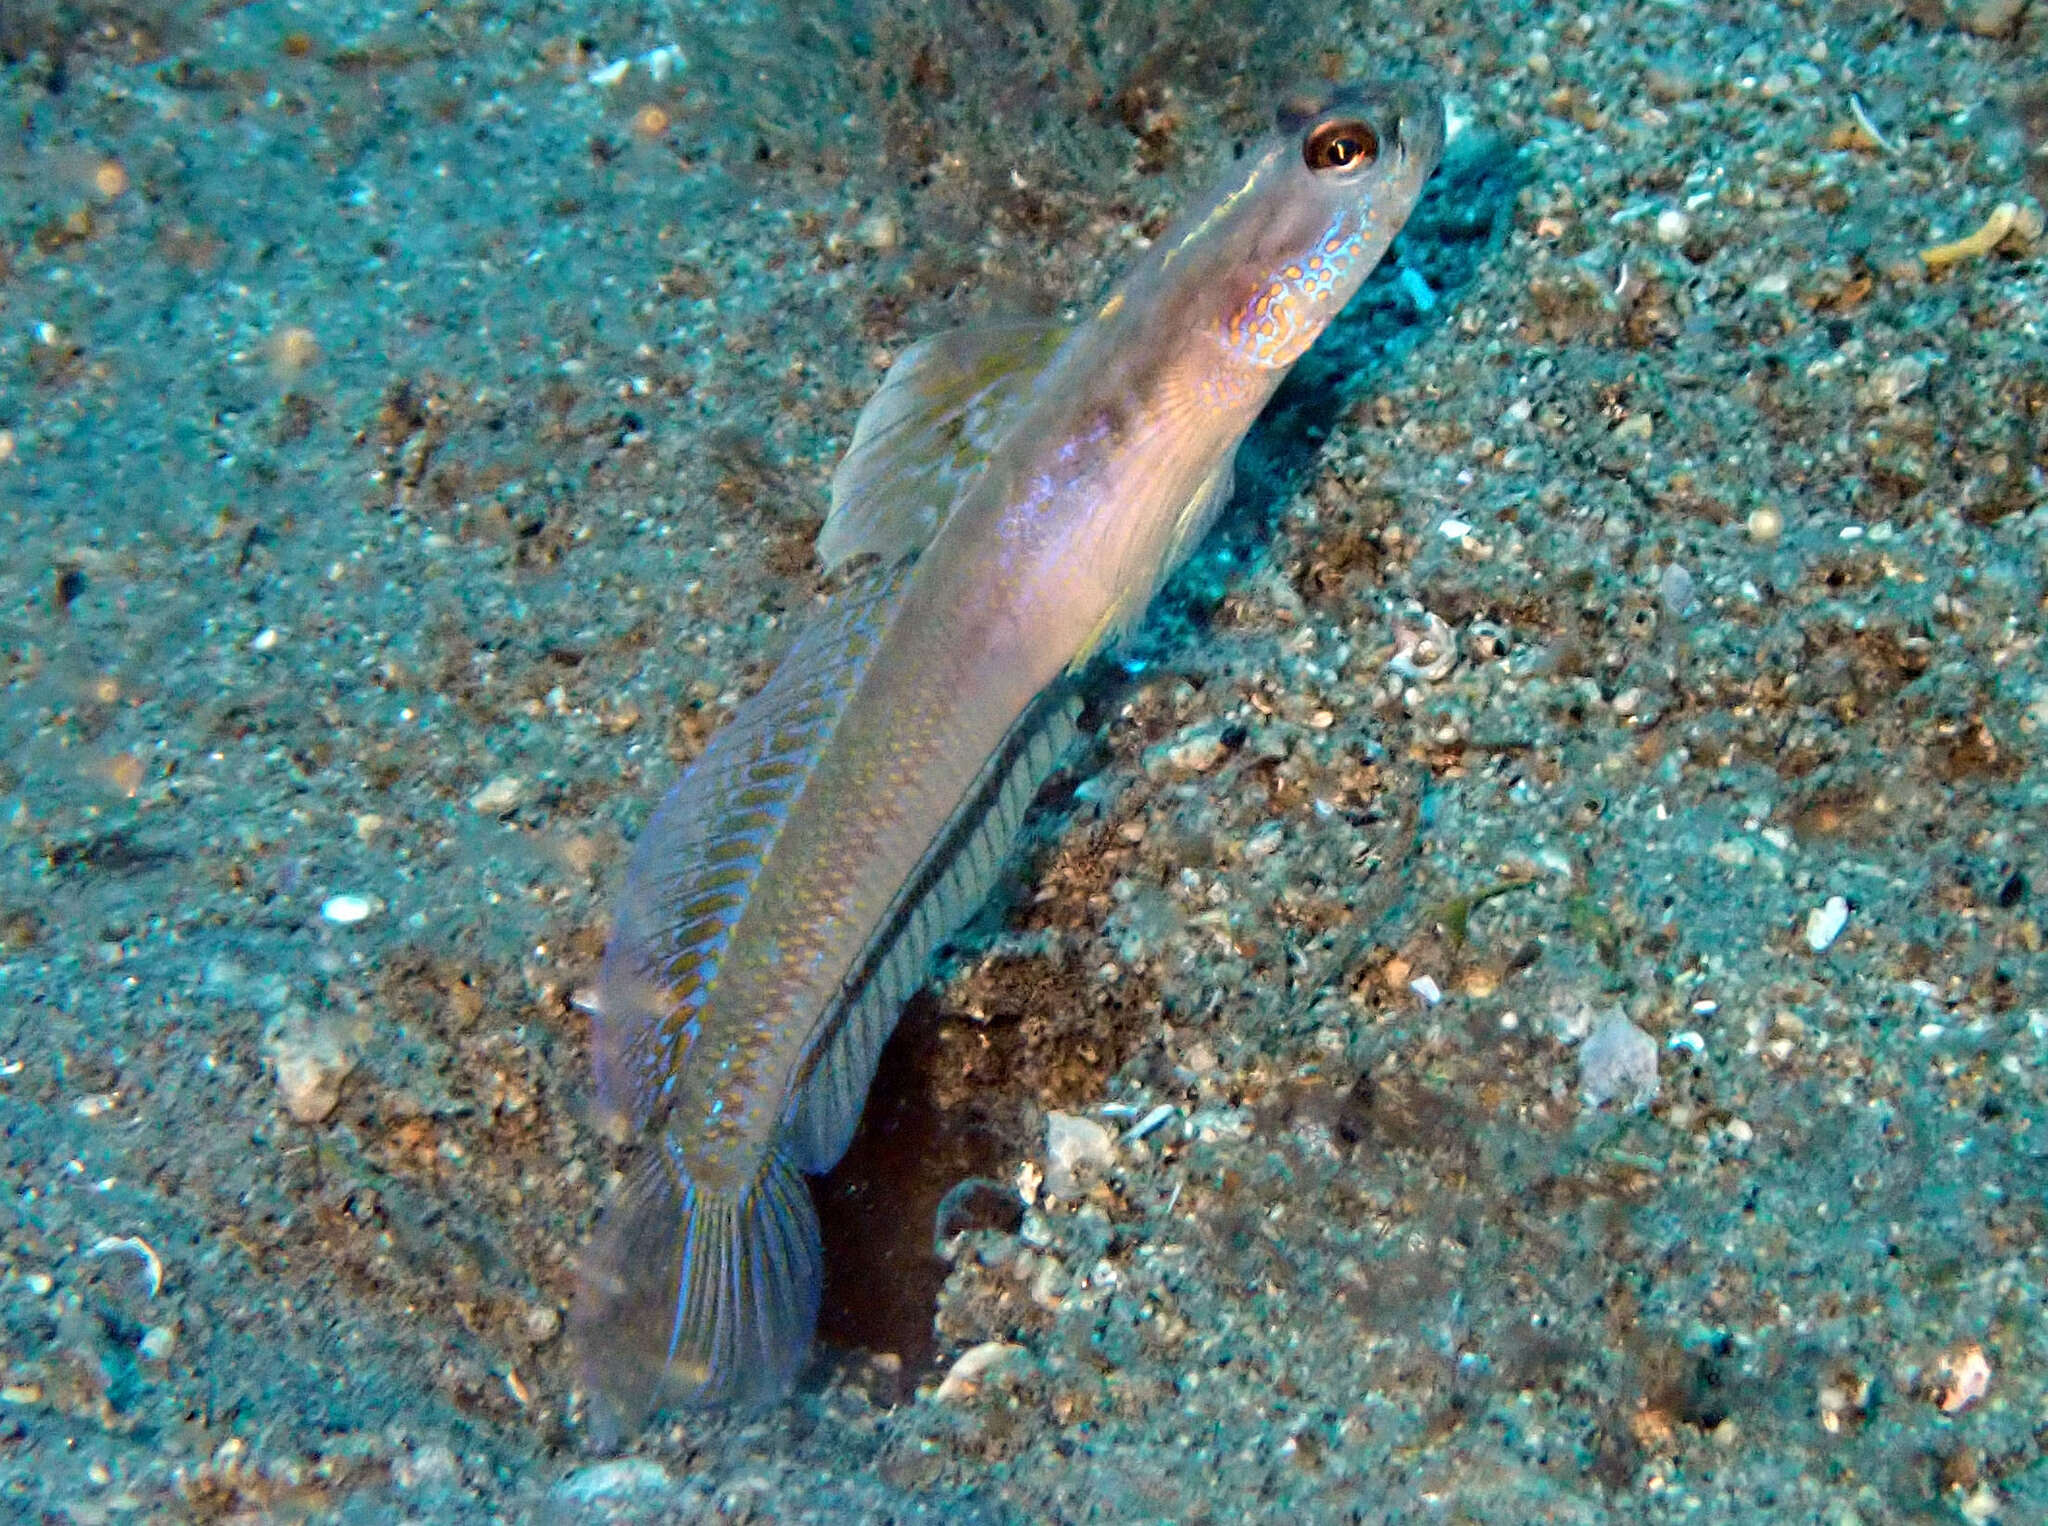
<point x="1013" y="497"/>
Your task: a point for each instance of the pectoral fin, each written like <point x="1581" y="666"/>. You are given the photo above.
<point x="1201" y="511"/>
<point x="926" y="434"/>
<point x="1193" y="522"/>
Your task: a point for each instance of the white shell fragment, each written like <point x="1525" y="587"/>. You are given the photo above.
<point x="1159" y="1115"/>
<point x="134" y="1245"/>
<point x="347" y="909"/>
<point x="1825" y="922"/>
<point x="1963" y="1378"/>
<point x="663" y="61"/>
<point x="1426" y="654"/>
<point x="1618" y="1062"/>
<point x="963" y="1379"/>
<point x="1072" y="1142"/>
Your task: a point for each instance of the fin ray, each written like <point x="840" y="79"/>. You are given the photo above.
<point x="696" y="1297"/>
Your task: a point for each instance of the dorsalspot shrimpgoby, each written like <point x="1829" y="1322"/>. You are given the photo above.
<point x="1013" y="497"/>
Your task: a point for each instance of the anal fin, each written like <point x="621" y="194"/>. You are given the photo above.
<point x="937" y="901"/>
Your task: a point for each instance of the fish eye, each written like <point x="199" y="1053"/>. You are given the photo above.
<point x="1341" y="143"/>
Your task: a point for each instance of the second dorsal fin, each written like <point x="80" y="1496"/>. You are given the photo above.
<point x="927" y="433"/>
<point x="695" y="865"/>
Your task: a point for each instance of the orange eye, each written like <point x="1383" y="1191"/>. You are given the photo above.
<point x="1343" y="143"/>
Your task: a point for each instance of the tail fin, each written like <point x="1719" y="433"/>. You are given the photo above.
<point x="696" y="1297"/>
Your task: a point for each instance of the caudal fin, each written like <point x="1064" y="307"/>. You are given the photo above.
<point x="696" y="1297"/>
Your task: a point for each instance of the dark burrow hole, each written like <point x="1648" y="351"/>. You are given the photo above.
<point x="878" y="1207"/>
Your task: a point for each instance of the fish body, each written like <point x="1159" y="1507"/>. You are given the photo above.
<point x="1012" y="499"/>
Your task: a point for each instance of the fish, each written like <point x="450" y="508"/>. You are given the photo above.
<point x="1013" y="496"/>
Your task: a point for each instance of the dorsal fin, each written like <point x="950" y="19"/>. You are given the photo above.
<point x="927" y="433"/>
<point x="695" y="864"/>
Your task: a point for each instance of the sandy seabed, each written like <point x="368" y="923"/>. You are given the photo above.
<point x="1543" y="940"/>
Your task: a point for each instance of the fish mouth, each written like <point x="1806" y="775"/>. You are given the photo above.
<point x="1412" y="110"/>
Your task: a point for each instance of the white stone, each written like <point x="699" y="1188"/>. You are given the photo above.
<point x="1825" y="922"/>
<point x="499" y="796"/>
<point x="610" y="1480"/>
<point x="311" y="1061"/>
<point x="1072" y="1142"/>
<point x="348" y="908"/>
<point x="1618" y="1061"/>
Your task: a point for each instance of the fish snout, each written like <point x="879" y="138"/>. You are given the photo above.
<point x="1419" y="110"/>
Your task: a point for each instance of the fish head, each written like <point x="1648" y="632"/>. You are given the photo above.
<point x="1305" y="214"/>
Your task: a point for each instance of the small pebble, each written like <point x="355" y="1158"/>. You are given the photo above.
<point x="157" y="1343"/>
<point x="311" y="1062"/>
<point x="610" y="1480"/>
<point x="1264" y="842"/>
<point x="1618" y="1061"/>
<point x="1964" y="1378"/>
<point x="1675" y="589"/>
<point x="430" y="1467"/>
<point x="1990" y="18"/>
<point x="1673" y="226"/>
<point x="1765" y="524"/>
<point x="1196" y="754"/>
<point x="879" y="231"/>
<point x="1070" y="1143"/>
<point x="347" y="909"/>
<point x="499" y="796"/>
<point x="1825" y="922"/>
<point x="1893" y="382"/>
